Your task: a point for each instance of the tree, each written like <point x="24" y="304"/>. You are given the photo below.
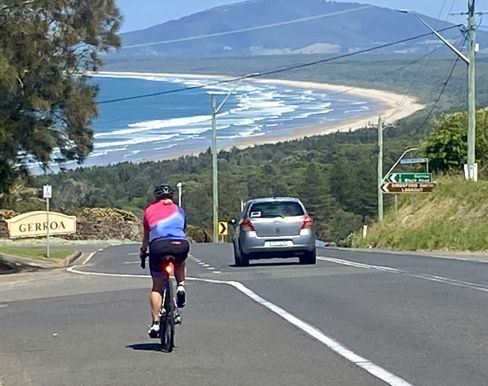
<point x="446" y="146"/>
<point x="46" y="103"/>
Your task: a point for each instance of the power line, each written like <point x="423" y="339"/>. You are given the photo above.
<point x="248" y="29"/>
<point x="444" y="86"/>
<point x="396" y="70"/>
<point x="272" y="72"/>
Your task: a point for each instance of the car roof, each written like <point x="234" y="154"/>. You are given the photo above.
<point x="272" y="199"/>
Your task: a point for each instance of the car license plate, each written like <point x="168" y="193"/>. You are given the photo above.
<point x="278" y="243"/>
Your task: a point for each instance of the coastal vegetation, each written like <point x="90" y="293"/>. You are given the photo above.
<point x="334" y="175"/>
<point x="45" y="105"/>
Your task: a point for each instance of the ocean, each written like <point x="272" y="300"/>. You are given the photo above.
<point x="178" y="123"/>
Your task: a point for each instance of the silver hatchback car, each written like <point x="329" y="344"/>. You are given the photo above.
<point x="274" y="227"/>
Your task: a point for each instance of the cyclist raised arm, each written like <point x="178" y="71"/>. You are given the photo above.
<point x="164" y="234"/>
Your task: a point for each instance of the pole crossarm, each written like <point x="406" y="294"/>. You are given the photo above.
<point x="442" y="38"/>
<point x="251" y="75"/>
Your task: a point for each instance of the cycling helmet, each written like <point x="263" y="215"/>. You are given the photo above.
<point x="164" y="191"/>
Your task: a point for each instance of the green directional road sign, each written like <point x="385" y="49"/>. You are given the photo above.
<point x="409" y="177"/>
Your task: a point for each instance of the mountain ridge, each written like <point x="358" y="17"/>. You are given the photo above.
<point x="263" y="27"/>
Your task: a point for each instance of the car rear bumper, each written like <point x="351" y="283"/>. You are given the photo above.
<point x="251" y="244"/>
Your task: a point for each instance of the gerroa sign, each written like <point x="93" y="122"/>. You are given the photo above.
<point x="34" y="224"/>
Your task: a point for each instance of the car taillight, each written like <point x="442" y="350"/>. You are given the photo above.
<point x="307" y="222"/>
<point x="247" y="226"/>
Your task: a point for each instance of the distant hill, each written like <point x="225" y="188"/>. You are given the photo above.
<point x="324" y="27"/>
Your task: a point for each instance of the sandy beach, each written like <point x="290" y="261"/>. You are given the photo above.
<point x="392" y="107"/>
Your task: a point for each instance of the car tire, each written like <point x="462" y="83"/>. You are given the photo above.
<point x="240" y="259"/>
<point x="237" y="257"/>
<point x="310" y="257"/>
<point x="244" y="260"/>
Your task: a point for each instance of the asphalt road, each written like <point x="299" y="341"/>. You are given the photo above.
<point x="355" y="318"/>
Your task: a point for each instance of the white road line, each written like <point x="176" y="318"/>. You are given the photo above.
<point x="217" y="271"/>
<point x="434" y="278"/>
<point x="332" y="344"/>
<point x="211" y="268"/>
<point x="3" y="305"/>
<point x="133" y="253"/>
<point x="74" y="270"/>
<point x="205" y="265"/>
<point x="90" y="256"/>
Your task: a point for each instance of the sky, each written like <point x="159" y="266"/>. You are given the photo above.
<point x="140" y="14"/>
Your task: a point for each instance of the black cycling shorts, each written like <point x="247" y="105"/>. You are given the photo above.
<point x="160" y="248"/>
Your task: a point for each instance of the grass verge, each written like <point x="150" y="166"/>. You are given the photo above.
<point x="36" y="252"/>
<point x="452" y="218"/>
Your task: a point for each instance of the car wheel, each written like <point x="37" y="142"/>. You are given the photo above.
<point x="244" y="260"/>
<point x="237" y="257"/>
<point x="310" y="257"/>
<point x="240" y="258"/>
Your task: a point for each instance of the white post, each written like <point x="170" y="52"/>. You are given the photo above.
<point x="179" y="185"/>
<point x="365" y="231"/>
<point x="47" y="194"/>
<point x="47" y="217"/>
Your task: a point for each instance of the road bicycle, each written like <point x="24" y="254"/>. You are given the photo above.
<point x="169" y="315"/>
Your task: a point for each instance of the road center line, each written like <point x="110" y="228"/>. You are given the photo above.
<point x="332" y="344"/>
<point x="434" y="278"/>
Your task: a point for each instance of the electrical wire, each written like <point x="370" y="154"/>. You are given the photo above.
<point x="276" y="71"/>
<point x="444" y="86"/>
<point x="248" y="29"/>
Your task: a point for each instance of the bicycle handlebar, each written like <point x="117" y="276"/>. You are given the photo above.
<point x="143" y="260"/>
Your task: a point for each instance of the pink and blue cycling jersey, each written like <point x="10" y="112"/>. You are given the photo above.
<point x="164" y="220"/>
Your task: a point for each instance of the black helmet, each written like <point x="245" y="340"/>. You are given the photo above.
<point x="164" y="191"/>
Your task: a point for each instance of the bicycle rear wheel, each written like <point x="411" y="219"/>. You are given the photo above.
<point x="168" y="318"/>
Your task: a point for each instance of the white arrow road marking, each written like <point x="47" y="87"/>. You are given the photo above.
<point x="438" y="279"/>
<point x="331" y="343"/>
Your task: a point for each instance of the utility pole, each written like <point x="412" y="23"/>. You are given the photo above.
<point x="470" y="60"/>
<point x="471" y="38"/>
<point x="380" y="168"/>
<point x="215" y="177"/>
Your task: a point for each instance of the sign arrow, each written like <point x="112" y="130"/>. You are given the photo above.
<point x="405" y="187"/>
<point x="393" y="177"/>
<point x="222" y="228"/>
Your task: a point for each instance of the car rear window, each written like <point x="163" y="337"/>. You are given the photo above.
<point x="275" y="209"/>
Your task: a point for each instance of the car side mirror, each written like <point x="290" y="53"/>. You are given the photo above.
<point x="233" y="221"/>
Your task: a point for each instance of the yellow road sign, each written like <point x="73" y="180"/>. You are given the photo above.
<point x="223" y="228"/>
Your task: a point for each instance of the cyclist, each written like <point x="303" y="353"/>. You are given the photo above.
<point x="164" y="234"/>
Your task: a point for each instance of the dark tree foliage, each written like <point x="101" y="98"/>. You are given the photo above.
<point x="446" y="145"/>
<point x="46" y="104"/>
